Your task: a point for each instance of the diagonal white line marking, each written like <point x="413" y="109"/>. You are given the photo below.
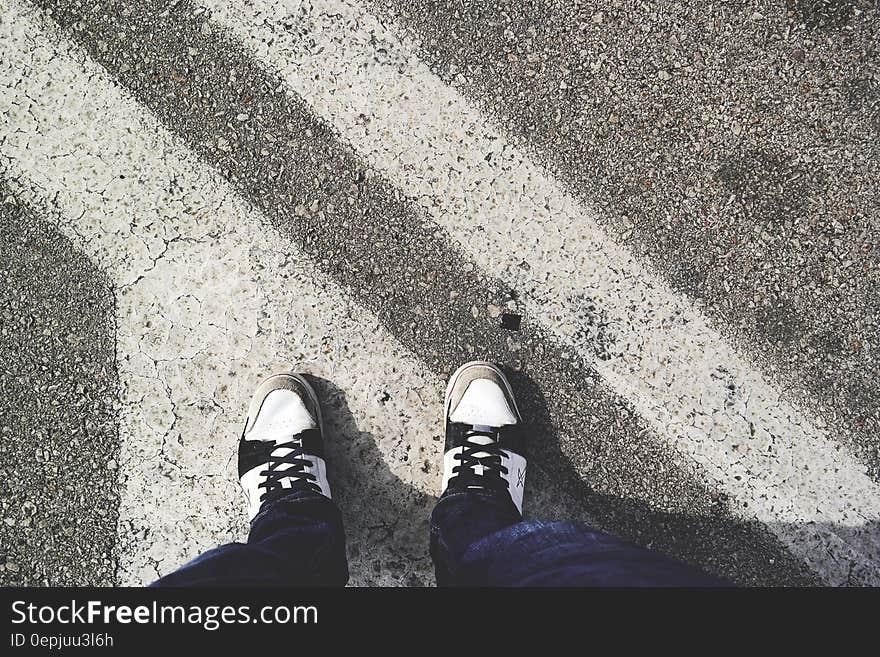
<point x="503" y="210"/>
<point x="210" y="299"/>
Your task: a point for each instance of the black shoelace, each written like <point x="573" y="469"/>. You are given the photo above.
<point x="302" y="480"/>
<point x="491" y="461"/>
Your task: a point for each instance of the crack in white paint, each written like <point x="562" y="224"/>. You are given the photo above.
<point x="194" y="269"/>
<point x="74" y="131"/>
<point x="694" y="389"/>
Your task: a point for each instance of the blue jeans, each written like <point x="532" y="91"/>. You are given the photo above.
<point x="477" y="539"/>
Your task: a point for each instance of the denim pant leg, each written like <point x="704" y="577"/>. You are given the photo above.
<point x="297" y="540"/>
<point x="460" y="519"/>
<point x="478" y="539"/>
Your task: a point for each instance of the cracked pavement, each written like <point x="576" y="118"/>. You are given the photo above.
<point x="237" y="189"/>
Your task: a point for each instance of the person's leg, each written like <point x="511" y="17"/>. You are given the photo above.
<point x="296" y="535"/>
<point x="483" y="466"/>
<point x="295" y="541"/>
<point x="460" y="519"/>
<point x="474" y="543"/>
<point x="478" y="537"/>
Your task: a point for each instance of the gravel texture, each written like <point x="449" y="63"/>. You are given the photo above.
<point x="365" y="235"/>
<point x="734" y="146"/>
<point x="58" y="388"/>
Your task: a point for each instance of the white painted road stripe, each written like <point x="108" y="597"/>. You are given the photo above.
<point x="210" y="299"/>
<point x="679" y="373"/>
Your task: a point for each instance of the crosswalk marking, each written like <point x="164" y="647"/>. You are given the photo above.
<point x="209" y="299"/>
<point x="659" y="352"/>
<point x="693" y="387"/>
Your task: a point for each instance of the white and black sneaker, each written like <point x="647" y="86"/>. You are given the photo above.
<point x="484" y="441"/>
<point x="282" y="447"/>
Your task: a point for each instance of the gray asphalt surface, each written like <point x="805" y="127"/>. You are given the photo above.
<point x="58" y="495"/>
<point x="406" y="275"/>
<point x="733" y="145"/>
<point x="734" y="148"/>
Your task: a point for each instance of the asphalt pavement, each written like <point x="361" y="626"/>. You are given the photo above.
<point x="662" y="220"/>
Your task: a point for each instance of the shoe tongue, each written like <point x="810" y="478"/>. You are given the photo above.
<point x="283" y="439"/>
<point x="281" y="452"/>
<point x="480" y="439"/>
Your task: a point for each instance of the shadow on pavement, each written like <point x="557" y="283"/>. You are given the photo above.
<point x="387" y="518"/>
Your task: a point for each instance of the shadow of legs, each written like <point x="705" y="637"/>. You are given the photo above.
<point x="386" y="519"/>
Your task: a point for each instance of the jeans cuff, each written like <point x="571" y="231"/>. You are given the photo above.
<point x="481" y="496"/>
<point x="292" y="497"/>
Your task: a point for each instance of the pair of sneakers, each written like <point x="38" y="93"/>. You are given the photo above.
<point x="282" y="448"/>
